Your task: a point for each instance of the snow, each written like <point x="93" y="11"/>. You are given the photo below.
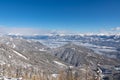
<point x="29" y="41"/>
<point x="83" y="69"/>
<point x="55" y="75"/>
<point x="8" y="78"/>
<point x="2" y="49"/>
<point x="73" y="48"/>
<point x="107" y="50"/>
<point x="11" y="39"/>
<point x="9" y="56"/>
<point x="80" y="51"/>
<point x="19" y="54"/>
<point x="59" y="63"/>
<point x="42" y="49"/>
<point x="16" y="34"/>
<point x="71" y="67"/>
<point x="7" y="43"/>
<point x="66" y="55"/>
<point x="14" y="45"/>
<point x="99" y="48"/>
<point x="2" y="62"/>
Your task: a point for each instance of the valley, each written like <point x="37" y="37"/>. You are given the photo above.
<point x="52" y="57"/>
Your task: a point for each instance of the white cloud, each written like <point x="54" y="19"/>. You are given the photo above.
<point x="15" y="30"/>
<point x="116" y="29"/>
<point x="38" y="31"/>
<point x="28" y="31"/>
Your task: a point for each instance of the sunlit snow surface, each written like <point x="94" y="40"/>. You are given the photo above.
<point x="55" y="42"/>
<point x="19" y="54"/>
<point x="100" y="44"/>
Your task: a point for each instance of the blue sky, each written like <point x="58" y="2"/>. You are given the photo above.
<point x="72" y="15"/>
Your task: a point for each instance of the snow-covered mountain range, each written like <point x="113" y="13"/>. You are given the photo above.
<point x="52" y="53"/>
